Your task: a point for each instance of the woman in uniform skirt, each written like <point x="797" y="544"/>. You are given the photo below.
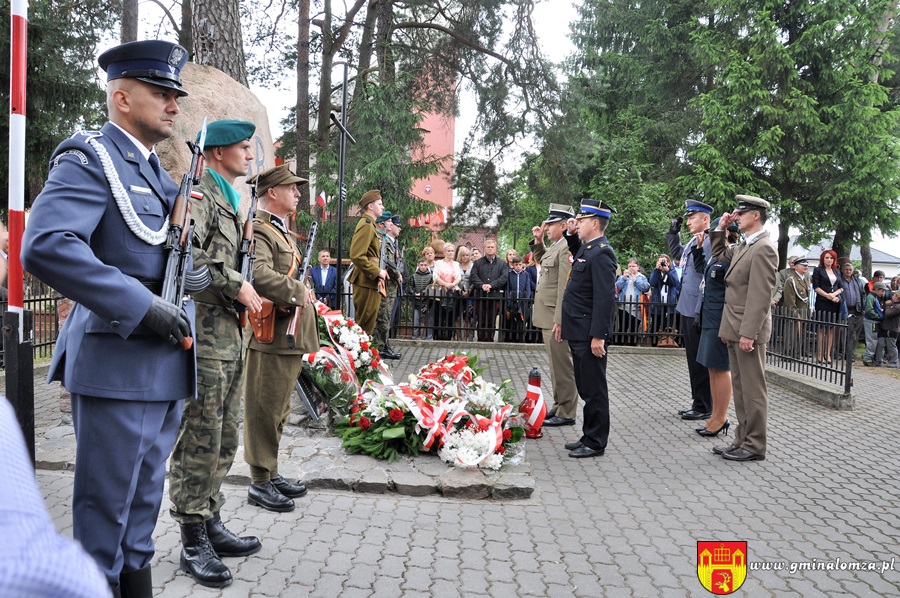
<point x="712" y="353"/>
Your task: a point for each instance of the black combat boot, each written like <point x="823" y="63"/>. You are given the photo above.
<point x="200" y="559"/>
<point x="137" y="583"/>
<point x="225" y="543"/>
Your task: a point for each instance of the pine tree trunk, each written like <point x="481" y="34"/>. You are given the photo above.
<point x="324" y="110"/>
<point x="302" y="131"/>
<point x="129" y="21"/>
<point x="186" y="33"/>
<point x="218" y="41"/>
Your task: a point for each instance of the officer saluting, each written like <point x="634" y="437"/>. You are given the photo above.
<point x="587" y="310"/>
<point x="96" y="234"/>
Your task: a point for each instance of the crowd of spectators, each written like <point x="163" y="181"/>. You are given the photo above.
<point x="469" y="295"/>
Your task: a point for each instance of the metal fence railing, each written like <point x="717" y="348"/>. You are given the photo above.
<point x="815" y="345"/>
<point x="42" y="301"/>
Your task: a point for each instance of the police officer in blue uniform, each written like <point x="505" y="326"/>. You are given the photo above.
<point x="587" y="310"/>
<point x="96" y="234"/>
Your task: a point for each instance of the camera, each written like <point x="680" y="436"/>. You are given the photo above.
<point x="663" y="264"/>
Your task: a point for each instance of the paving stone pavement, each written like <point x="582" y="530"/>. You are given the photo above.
<point x="625" y="524"/>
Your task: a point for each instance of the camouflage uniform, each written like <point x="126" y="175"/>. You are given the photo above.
<point x="383" y="324"/>
<point x="272" y="368"/>
<point x="208" y="437"/>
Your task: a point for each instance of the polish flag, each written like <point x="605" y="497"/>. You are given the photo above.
<point x="320" y="201"/>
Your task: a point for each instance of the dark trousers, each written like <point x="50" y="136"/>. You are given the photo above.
<point x="590" y="380"/>
<point x="486" y="310"/>
<point x="701" y="398"/>
<point x="120" y="468"/>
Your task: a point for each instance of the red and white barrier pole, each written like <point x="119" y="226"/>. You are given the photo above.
<point x="17" y="324"/>
<point x="18" y="63"/>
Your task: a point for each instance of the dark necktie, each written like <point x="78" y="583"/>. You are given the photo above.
<point x="154" y="164"/>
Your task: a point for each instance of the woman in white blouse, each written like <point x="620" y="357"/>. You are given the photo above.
<point x="447" y="275"/>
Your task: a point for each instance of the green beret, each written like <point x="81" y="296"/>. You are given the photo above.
<point x="221" y="133"/>
<point x="385" y="216"/>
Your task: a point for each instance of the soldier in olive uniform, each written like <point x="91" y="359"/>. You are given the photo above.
<point x="365" y="253"/>
<point x="273" y="367"/>
<point x="208" y="437"/>
<point x="556" y="264"/>
<point x="394" y="280"/>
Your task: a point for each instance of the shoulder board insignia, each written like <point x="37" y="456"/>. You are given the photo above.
<point x="131" y="155"/>
<point x="589" y="247"/>
<point x="602" y="245"/>
<point x="72" y="152"/>
<point x="196" y="195"/>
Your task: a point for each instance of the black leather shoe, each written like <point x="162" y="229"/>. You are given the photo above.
<point x="268" y="497"/>
<point x="137" y="583"/>
<point x="560" y="421"/>
<point x="571" y="446"/>
<point x="695" y="415"/>
<point x="586" y="451"/>
<point x="740" y="454"/>
<point x="200" y="559"/>
<point x="288" y="489"/>
<point x="551" y="413"/>
<point x="721" y="450"/>
<point x="388" y="353"/>
<point x="225" y="543"/>
<point x="685" y="410"/>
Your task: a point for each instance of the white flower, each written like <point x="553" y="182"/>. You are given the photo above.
<point x="465" y="447"/>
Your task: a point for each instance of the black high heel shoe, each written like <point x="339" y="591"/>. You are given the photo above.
<point x="710" y="434"/>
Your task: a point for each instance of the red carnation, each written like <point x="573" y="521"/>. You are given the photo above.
<point x="350" y="323"/>
<point x="501" y="449"/>
<point x="395" y="415"/>
<point x="364" y="346"/>
<point x="507" y="434"/>
<point x="364" y="423"/>
<point x="354" y="409"/>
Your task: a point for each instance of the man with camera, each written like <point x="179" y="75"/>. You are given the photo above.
<point x="664" y="287"/>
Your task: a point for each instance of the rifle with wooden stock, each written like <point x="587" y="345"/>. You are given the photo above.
<point x="177" y="280"/>
<point x="382" y="261"/>
<point x="304" y="277"/>
<point x="247" y="253"/>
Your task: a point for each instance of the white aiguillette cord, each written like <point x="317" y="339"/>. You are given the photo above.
<point x="131" y="218"/>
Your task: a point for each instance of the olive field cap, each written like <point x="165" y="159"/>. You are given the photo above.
<point x="155" y="61"/>
<point x="273" y="177"/>
<point x="369" y="197"/>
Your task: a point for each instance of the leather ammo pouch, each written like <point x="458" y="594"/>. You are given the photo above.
<point x="263" y="322"/>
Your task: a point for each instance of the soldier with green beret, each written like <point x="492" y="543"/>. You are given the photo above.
<point x="208" y="437"/>
<point x="273" y="366"/>
<point x="365" y="253"/>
